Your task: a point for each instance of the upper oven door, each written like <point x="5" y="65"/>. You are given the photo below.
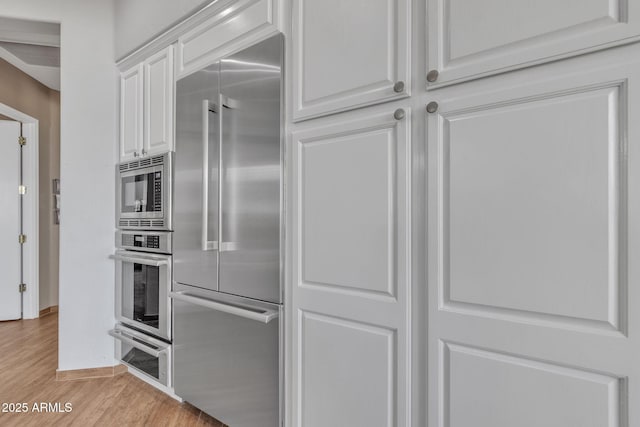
<point x="143" y="282"/>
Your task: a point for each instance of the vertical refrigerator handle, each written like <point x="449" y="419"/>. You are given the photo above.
<point x="225" y="103"/>
<point x="207" y="108"/>
<point x="221" y="99"/>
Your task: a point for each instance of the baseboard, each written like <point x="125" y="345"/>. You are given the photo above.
<point x="83" y="374"/>
<point x="49" y="310"/>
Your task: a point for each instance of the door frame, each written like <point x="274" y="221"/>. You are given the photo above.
<point x="30" y="168"/>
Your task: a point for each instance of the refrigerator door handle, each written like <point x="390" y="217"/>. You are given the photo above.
<point x="207" y="108"/>
<point x="230" y="104"/>
<point x="119" y="335"/>
<point x="258" y="314"/>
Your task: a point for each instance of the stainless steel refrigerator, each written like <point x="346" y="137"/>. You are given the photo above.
<point x="228" y="237"/>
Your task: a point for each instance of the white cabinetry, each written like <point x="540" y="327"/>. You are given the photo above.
<point x="146" y="107"/>
<point x="158" y="102"/>
<point x="350" y="296"/>
<point x="131" y="112"/>
<point x="468" y="39"/>
<point x="534" y="220"/>
<point x="349" y="54"/>
<point x="239" y="24"/>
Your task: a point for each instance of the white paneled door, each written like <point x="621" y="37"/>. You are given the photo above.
<point x="351" y="237"/>
<point x="349" y="54"/>
<point x="534" y="237"/>
<point x="10" y="304"/>
<point x="158" y="102"/>
<point x="131" y="106"/>
<point x="468" y="39"/>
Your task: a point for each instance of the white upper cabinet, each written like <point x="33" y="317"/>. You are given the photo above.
<point x="468" y="39"/>
<point x="146" y="107"/>
<point x="158" y="101"/>
<point x="131" y="112"/>
<point x="240" y="23"/>
<point x="349" y="54"/>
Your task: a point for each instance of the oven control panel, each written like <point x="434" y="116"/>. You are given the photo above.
<point x="146" y="241"/>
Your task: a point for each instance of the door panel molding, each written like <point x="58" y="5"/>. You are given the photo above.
<point x="571" y="395"/>
<point x="373" y="358"/>
<point x="377" y="140"/>
<point x="612" y="315"/>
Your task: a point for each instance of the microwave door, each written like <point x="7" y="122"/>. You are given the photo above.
<point x="135" y="193"/>
<point x="141" y="193"/>
<point x="196" y="180"/>
<point x="250" y="86"/>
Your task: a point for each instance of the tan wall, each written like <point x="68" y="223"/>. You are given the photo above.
<point x="20" y="91"/>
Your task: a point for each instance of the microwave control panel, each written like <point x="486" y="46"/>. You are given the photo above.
<point x="157" y="189"/>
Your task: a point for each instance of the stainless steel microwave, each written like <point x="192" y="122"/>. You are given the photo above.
<point x="143" y="193"/>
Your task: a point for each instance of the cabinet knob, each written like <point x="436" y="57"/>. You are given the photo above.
<point x="432" y="107"/>
<point x="432" y="76"/>
<point x="135" y="154"/>
<point x="399" y="114"/>
<point x="398" y="87"/>
<point x="144" y="151"/>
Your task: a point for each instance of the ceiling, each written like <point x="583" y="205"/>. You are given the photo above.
<point x="33" y="47"/>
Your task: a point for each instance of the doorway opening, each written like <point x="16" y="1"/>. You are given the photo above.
<point x="30" y="98"/>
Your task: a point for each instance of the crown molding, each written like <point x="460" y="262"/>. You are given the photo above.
<point x="165" y="38"/>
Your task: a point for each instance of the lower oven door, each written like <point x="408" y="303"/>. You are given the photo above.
<point x="143" y="353"/>
<point x="142" y="285"/>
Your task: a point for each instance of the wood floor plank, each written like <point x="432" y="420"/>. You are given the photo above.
<point x="28" y="361"/>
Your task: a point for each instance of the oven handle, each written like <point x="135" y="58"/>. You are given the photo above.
<point x="119" y="335"/>
<point x="140" y="260"/>
<point x="258" y="314"/>
<point x="207" y="107"/>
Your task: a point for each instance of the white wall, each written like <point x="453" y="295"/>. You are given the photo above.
<point x="138" y="21"/>
<point x="88" y="156"/>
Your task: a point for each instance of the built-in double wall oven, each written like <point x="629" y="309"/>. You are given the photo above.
<point x="143" y="266"/>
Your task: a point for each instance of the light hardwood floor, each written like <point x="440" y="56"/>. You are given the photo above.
<point x="28" y="361"/>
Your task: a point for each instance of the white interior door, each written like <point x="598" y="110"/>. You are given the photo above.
<point x="534" y="237"/>
<point x="10" y="304"/>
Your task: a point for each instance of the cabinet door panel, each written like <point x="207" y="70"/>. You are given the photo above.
<point x="131" y="113"/>
<point x="158" y="114"/>
<point x="240" y="24"/>
<point x="349" y="54"/>
<point x="470" y="39"/>
<point x="350" y="296"/>
<point x="533" y="208"/>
